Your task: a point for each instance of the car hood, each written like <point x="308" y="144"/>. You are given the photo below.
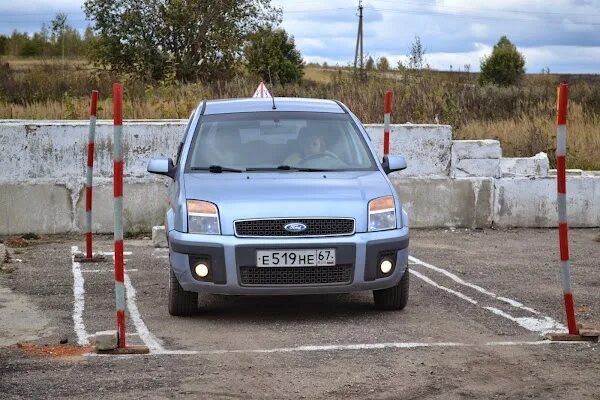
<point x="288" y="194"/>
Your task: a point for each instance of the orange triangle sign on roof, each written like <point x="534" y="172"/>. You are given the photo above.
<point x="262" y="91"/>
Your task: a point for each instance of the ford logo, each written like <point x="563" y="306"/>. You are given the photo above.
<point x="295" y="227"/>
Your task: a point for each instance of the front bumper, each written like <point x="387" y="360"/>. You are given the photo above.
<point x="227" y="254"/>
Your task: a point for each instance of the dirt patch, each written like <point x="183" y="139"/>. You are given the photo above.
<point x="17" y="242"/>
<point x="21" y="319"/>
<point x="61" y="351"/>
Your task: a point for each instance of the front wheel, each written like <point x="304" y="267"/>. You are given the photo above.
<point x="181" y="302"/>
<point x="394" y="298"/>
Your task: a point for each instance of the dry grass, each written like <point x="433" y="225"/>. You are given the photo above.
<point x="526" y="136"/>
<point x="20" y="63"/>
<point x="522" y="117"/>
<point x="320" y="75"/>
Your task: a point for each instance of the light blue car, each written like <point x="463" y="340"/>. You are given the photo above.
<point x="282" y="196"/>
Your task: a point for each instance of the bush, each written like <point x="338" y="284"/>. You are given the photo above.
<point x="274" y="51"/>
<point x="504" y="67"/>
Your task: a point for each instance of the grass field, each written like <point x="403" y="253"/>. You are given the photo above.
<point x="521" y="117"/>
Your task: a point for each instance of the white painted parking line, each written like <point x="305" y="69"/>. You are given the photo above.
<point x="112" y="253"/>
<point x="358" y="346"/>
<point x="148" y="338"/>
<point x="478" y="288"/>
<point x="108" y="270"/>
<point x="539" y="324"/>
<point x="543" y="324"/>
<point x="78" y="300"/>
<point x="432" y="283"/>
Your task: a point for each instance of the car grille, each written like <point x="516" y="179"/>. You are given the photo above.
<point x="293" y="276"/>
<point x="314" y="227"/>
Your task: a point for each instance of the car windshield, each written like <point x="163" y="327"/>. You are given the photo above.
<point x="282" y="141"/>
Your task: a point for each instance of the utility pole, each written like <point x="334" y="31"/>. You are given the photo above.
<point x="358" y="52"/>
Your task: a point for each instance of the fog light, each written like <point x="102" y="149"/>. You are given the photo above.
<point x="386" y="266"/>
<point x="201" y="270"/>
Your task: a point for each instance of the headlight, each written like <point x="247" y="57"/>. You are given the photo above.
<point x="382" y="214"/>
<point x="203" y="217"/>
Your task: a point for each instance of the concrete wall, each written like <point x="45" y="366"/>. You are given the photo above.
<point x="425" y="147"/>
<point x="58" y="149"/>
<point x="448" y="183"/>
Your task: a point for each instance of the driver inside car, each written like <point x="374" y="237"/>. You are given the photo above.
<point x="311" y="145"/>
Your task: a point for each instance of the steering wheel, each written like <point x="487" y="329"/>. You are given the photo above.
<point x="322" y="154"/>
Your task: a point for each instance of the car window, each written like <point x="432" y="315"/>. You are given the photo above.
<point x="185" y="133"/>
<point x="252" y="141"/>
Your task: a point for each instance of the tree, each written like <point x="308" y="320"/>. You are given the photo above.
<point x="4" y="45"/>
<point x="272" y="50"/>
<point x="416" y="55"/>
<point x="370" y="64"/>
<point x="192" y="39"/>
<point x="59" y="24"/>
<point x="504" y="67"/>
<point x="383" y="64"/>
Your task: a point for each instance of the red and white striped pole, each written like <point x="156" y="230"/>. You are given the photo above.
<point x="118" y="210"/>
<point x="387" y="109"/>
<point x="563" y="228"/>
<point x="90" y="175"/>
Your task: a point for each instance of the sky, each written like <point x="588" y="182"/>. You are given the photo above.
<point x="562" y="35"/>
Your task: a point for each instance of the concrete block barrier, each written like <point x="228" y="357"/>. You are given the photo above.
<point x="486" y="148"/>
<point x="475" y="158"/>
<point x="144" y="205"/>
<point x="57" y="149"/>
<point x="36" y="208"/>
<point x="439" y="202"/>
<point x="531" y="202"/>
<point x="425" y="147"/>
<point x="537" y="166"/>
<point x="159" y="236"/>
<point x="447" y="183"/>
<point x="476" y="167"/>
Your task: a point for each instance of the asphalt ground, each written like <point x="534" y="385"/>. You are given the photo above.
<point x="480" y="303"/>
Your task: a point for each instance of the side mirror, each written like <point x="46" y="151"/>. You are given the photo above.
<point x="393" y="163"/>
<point x="162" y="166"/>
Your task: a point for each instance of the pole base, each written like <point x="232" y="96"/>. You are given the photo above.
<point x="587" y="333"/>
<point x="126" y="350"/>
<point x="589" y="330"/>
<point x="96" y="257"/>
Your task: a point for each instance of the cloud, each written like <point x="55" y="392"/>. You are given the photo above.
<point x="561" y="34"/>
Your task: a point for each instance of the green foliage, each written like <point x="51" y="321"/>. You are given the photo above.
<point x="416" y="55"/>
<point x="383" y="64"/>
<point x="199" y="40"/>
<point x="43" y="44"/>
<point x="59" y="24"/>
<point x="3" y="45"/>
<point x="504" y="67"/>
<point x="370" y="64"/>
<point x="272" y="49"/>
<point x="69" y="107"/>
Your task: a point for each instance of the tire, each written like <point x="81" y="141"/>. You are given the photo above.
<point x="181" y="302"/>
<point x="394" y="298"/>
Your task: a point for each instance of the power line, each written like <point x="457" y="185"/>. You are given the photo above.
<point x="476" y="17"/>
<point x="507" y="10"/>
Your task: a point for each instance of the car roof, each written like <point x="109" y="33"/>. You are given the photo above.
<point x="266" y="104"/>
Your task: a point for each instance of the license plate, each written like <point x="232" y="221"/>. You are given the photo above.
<point x="295" y="258"/>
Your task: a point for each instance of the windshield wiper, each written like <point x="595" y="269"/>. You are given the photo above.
<point x="217" y="169"/>
<point x="288" y="168"/>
